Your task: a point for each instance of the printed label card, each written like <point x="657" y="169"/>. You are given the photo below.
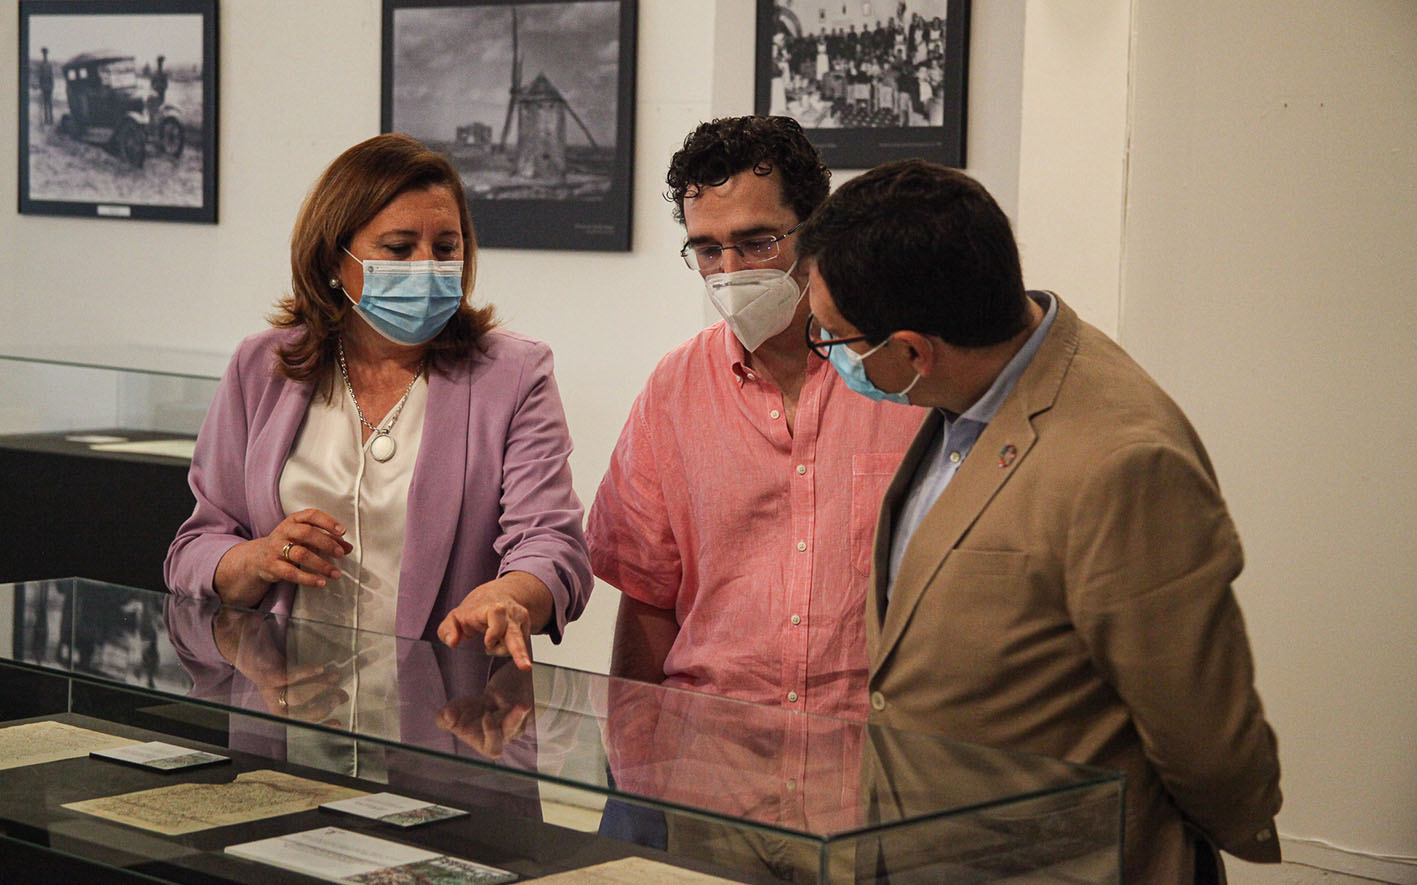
<point x="391" y="808"/>
<point x="337" y="855"/>
<point x="158" y="756"/>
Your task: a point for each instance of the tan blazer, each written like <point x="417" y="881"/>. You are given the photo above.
<point x="1069" y="595"/>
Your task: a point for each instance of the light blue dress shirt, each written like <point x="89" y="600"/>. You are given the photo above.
<point x="956" y="439"/>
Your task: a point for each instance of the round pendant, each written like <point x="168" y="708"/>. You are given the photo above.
<point x="382" y="447"/>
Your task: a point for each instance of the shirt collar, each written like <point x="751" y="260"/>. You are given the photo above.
<point x="737" y="356"/>
<point x="987" y="406"/>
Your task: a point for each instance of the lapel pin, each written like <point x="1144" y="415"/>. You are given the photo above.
<point x="1007" y="455"/>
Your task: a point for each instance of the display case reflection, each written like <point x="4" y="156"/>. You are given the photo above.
<point x="745" y="791"/>
<point x="96" y="629"/>
<point x="385" y="707"/>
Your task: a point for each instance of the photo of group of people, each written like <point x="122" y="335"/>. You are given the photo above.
<point x="887" y="73"/>
<point x="880" y="67"/>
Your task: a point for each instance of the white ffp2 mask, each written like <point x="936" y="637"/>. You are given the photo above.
<point x="756" y="304"/>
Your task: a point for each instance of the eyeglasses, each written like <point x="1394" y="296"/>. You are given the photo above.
<point x="822" y="347"/>
<point x="754" y="250"/>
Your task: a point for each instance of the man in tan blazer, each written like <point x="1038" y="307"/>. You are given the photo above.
<point x="1053" y="560"/>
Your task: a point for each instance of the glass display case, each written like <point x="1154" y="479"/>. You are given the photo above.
<point x="486" y="772"/>
<point x="55" y="390"/>
<point x="94" y="454"/>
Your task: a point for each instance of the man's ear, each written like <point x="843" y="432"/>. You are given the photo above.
<point x="922" y="352"/>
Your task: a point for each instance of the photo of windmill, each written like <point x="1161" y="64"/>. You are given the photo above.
<point x="556" y="138"/>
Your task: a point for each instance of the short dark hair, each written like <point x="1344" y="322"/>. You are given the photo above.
<point x="354" y="188"/>
<point x="719" y="149"/>
<point x="912" y="245"/>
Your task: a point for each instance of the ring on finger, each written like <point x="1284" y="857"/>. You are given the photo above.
<point x="285" y="551"/>
<point x="281" y="699"/>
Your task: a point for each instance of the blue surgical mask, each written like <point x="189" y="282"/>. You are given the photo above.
<point x="850" y="365"/>
<point x="409" y="302"/>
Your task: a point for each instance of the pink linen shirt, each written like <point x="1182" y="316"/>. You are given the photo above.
<point x="757" y="538"/>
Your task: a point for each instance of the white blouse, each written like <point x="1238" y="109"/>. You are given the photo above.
<point x="330" y="469"/>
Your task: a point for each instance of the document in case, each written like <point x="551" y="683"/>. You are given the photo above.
<point x="94" y="438"/>
<point x="189" y="808"/>
<point x="632" y="871"/>
<point x="391" y="808"/>
<point x="171" y="448"/>
<point x="37" y="742"/>
<point x="159" y="756"/>
<point x="337" y="855"/>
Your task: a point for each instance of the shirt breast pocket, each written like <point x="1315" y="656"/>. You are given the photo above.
<point x="871" y="474"/>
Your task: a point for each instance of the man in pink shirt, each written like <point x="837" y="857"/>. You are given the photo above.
<point x="736" y="517"/>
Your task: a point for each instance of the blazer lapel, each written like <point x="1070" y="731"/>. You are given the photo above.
<point x="885" y="527"/>
<point x="434" y="498"/>
<point x="1000" y="450"/>
<point x="270" y="449"/>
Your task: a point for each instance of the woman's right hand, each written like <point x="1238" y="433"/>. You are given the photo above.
<point x="300" y="550"/>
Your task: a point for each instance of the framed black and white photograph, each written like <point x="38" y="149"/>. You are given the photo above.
<point x="868" y="81"/>
<point x="118" y="109"/>
<point x="533" y="102"/>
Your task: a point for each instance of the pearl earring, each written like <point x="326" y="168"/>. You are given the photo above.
<point x="334" y="282"/>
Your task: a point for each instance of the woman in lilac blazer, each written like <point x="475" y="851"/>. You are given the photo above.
<point x="378" y="321"/>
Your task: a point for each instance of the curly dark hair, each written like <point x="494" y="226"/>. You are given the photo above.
<point x="912" y="245"/>
<point x="721" y="148"/>
<point x="353" y="189"/>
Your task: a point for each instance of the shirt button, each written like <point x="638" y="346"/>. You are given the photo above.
<point x="774" y="414"/>
<point x="796" y="619"/>
<point x="1264" y="835"/>
<point x="954" y="457"/>
<point x="801" y="468"/>
<point x="791" y="784"/>
<point x="878" y="701"/>
<point x="801" y="546"/>
<point x="792" y="696"/>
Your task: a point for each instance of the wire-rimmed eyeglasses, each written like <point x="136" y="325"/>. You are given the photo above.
<point x="754" y="250"/>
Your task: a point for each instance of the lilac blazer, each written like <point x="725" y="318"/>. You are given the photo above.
<point x="491" y="490"/>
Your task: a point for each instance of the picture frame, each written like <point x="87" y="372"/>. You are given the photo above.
<point x="118" y="109"/>
<point x="534" y="105"/>
<point x="868" y="81"/>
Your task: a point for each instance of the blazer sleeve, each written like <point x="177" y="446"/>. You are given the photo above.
<point x="221" y="518"/>
<point x="1151" y="556"/>
<point x="540" y="522"/>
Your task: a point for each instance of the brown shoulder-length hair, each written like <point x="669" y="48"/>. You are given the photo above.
<point x="356" y="187"/>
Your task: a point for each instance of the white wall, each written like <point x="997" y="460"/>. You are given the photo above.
<point x="298" y="85"/>
<point x="1250" y="243"/>
<point x="1072" y="152"/>
<point x="1270" y="285"/>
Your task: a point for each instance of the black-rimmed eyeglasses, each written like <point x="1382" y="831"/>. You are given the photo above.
<point x="822" y="347"/>
<point x="754" y="250"/>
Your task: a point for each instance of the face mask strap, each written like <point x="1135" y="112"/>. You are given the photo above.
<point x="860" y="358"/>
<point x="911" y="386"/>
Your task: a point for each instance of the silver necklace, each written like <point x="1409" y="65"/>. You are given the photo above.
<point x="382" y="447"/>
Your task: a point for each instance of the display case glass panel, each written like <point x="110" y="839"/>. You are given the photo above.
<point x="94" y="456"/>
<point x="559" y="771"/>
<point x="90" y="392"/>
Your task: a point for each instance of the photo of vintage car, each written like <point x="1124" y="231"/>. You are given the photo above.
<point x="110" y="104"/>
<point x="118" y="109"/>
